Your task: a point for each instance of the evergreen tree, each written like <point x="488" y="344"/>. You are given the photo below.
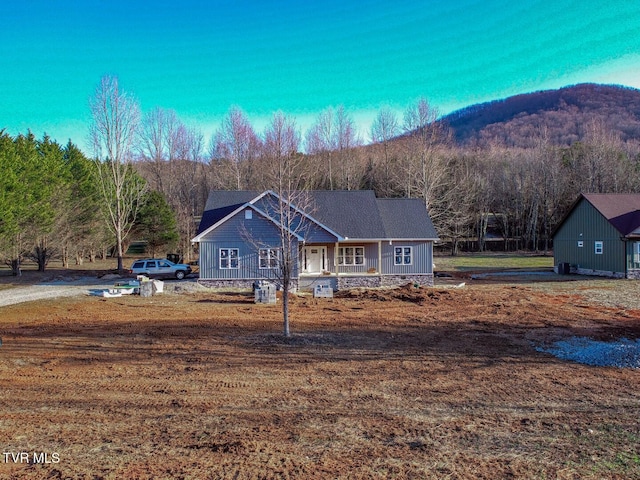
<point x="157" y="223"/>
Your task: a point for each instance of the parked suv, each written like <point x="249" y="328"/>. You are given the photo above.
<point x="158" y="267"/>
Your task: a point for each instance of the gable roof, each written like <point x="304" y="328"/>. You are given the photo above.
<point x="232" y="213"/>
<point x="621" y="210"/>
<point x="221" y="206"/>
<point x="221" y="203"/>
<point x="352" y="214"/>
<point x="405" y="218"/>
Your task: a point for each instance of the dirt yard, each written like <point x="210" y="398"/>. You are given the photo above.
<point x="410" y="383"/>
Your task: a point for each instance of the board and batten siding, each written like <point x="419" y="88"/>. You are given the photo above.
<point x="585" y="224"/>
<point x="370" y="258"/>
<point x="246" y="235"/>
<point x="422" y="258"/>
<point x="312" y="233"/>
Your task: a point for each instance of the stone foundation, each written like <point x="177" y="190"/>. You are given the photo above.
<point x="237" y="283"/>
<point x="342" y="282"/>
<point x="397" y="280"/>
<point x="633" y="274"/>
<point x="596" y="273"/>
<point x="383" y="281"/>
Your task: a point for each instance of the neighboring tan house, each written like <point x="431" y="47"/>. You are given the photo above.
<point x="343" y="238"/>
<point x="600" y="236"/>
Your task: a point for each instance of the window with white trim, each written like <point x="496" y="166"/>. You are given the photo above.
<point x="402" y="255"/>
<point x="350" y="255"/>
<point x="268" y="257"/>
<point x="598" y="248"/>
<point x="228" y="258"/>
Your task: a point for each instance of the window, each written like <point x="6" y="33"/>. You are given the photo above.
<point x="151" y="264"/>
<point x="228" y="258"/>
<point x="580" y="244"/>
<point x="403" y="255"/>
<point x="351" y="256"/>
<point x="268" y="257"/>
<point x="598" y="248"/>
<point x="248" y="214"/>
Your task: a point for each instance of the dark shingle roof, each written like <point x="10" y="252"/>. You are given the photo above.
<point x="221" y="203"/>
<point x="353" y="214"/>
<point x="621" y="209"/>
<point x="405" y="218"/>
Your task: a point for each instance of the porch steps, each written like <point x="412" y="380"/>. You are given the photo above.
<point x="308" y="283"/>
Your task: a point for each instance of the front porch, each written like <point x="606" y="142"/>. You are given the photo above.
<point x="365" y="264"/>
<point x="362" y="259"/>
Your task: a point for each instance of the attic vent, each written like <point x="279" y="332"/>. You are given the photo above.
<point x="248" y="214"/>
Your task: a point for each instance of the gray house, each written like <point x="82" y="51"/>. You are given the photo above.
<point x="344" y="238"/>
<point x="600" y="235"/>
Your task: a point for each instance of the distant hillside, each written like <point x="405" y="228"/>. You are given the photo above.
<point x="515" y="121"/>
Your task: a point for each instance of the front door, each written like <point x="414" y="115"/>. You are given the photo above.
<point x="314" y="259"/>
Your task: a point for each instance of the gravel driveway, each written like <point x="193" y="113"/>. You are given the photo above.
<point x="53" y="289"/>
<point x="81" y="286"/>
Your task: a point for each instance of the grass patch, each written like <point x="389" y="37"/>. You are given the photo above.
<point x="492" y="261"/>
<point x="625" y="461"/>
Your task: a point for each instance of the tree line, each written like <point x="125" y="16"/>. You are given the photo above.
<point x="51" y="206"/>
<point x="57" y="202"/>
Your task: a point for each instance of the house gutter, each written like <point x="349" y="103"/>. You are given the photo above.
<point x="370" y="240"/>
<point x="625" y="241"/>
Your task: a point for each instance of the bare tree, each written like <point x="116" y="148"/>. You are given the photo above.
<point x="333" y="139"/>
<point x="190" y="186"/>
<point x="346" y="141"/>
<point x="460" y="195"/>
<point x="321" y="140"/>
<point x="288" y="207"/>
<point x="235" y="145"/>
<point x="115" y="118"/>
<point x="383" y="129"/>
<point x="151" y="143"/>
<point x="549" y="184"/>
<point x="172" y="155"/>
<point x="282" y="141"/>
<point x="161" y="141"/>
<point x="426" y="170"/>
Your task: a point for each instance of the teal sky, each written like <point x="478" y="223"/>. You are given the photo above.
<point x="202" y="57"/>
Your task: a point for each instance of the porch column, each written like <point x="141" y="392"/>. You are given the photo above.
<point x="335" y="259"/>
<point x="379" y="257"/>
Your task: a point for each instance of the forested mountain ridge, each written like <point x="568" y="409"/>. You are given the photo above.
<point x="506" y="183"/>
<point x="516" y="121"/>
